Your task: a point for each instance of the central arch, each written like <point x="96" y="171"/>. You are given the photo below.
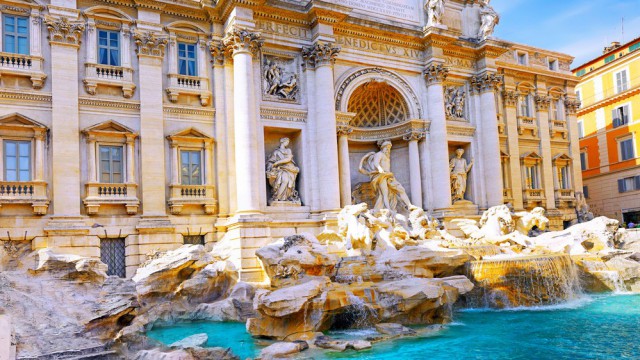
<point x="377" y="104"/>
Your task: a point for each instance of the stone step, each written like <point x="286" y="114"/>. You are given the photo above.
<point x="84" y="353"/>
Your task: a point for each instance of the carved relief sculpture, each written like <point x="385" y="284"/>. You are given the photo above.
<point x="459" y="171"/>
<point x="280" y="80"/>
<point x="489" y="18"/>
<point x="454" y="102"/>
<point x="435" y="12"/>
<point x="282" y="173"/>
<point x="377" y="165"/>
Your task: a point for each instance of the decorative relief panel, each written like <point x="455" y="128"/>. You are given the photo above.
<point x="455" y="100"/>
<point x="280" y="79"/>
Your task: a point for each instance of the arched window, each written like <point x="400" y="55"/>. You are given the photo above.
<point x="377" y="104"/>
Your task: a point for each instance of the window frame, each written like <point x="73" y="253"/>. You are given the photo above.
<point x="108" y="47"/>
<point x="187" y="59"/>
<point x="552" y="64"/>
<point x="622" y="140"/>
<point x="584" y="165"/>
<point x="17" y="140"/>
<point x="626" y="115"/>
<point x="16" y="34"/>
<point x="615" y="80"/>
<point x="182" y="150"/>
<point x="123" y="165"/>
<point x="523" y="55"/>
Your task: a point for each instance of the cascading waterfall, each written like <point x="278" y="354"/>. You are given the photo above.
<point x="523" y="281"/>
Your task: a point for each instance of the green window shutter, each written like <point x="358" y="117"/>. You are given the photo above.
<point x="634" y="47"/>
<point x="609" y="58"/>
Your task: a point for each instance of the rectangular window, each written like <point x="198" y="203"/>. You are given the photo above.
<point x="634" y="47"/>
<point x="17" y="160"/>
<point x="564" y="178"/>
<point x="580" y="129"/>
<point x="628" y="184"/>
<point x="620" y="116"/>
<point x="626" y="150"/>
<point x="585" y="191"/>
<point x="187" y="59"/>
<point x="532" y="177"/>
<point x="522" y="59"/>
<point x="16" y="34"/>
<point x="191" y="166"/>
<point x="525" y="106"/>
<point x="583" y="161"/>
<point x="109" y="47"/>
<point x="622" y="81"/>
<point x="111" y="164"/>
<point x="581" y="72"/>
<point x="553" y="65"/>
<point x="193" y="239"/>
<point x="113" y="254"/>
<point x="609" y="58"/>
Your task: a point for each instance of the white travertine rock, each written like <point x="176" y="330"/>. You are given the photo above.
<point x="196" y="340"/>
<point x="210" y="284"/>
<point x="289" y="300"/>
<point x="282" y="349"/>
<point x="74" y="266"/>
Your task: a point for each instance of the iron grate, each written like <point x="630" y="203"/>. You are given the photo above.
<point x="112" y="253"/>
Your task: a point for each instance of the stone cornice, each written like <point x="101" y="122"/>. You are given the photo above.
<point x="62" y="31"/>
<point x="205" y="112"/>
<point x="359" y="31"/>
<point x="408" y="129"/>
<point x="25" y="96"/>
<point x="150" y="43"/>
<point x="116" y="104"/>
<point x="241" y="40"/>
<point x="435" y="73"/>
<point x="320" y="54"/>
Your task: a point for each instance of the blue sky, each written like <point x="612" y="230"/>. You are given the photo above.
<point x="580" y="28"/>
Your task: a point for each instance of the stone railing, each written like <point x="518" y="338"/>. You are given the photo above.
<point x="533" y="197"/>
<point x="507" y="195"/>
<point x="558" y="127"/>
<point x="98" y="194"/>
<point x="564" y="197"/>
<point x="107" y="75"/>
<point x="501" y="124"/>
<point x="525" y="124"/>
<point x="187" y="195"/>
<point x="31" y="192"/>
<point x="189" y="85"/>
<point x="23" y="65"/>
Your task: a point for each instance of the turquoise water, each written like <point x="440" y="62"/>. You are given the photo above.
<point x="601" y="327"/>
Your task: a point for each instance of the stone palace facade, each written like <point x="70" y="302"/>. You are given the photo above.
<point x="134" y="126"/>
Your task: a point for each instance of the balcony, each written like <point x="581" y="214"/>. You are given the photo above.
<point x="527" y="124"/>
<point x="189" y="85"/>
<point x="33" y="193"/>
<point x="24" y="66"/>
<point x="558" y="127"/>
<point x="199" y="195"/>
<point x="107" y="75"/>
<point x="533" y="197"/>
<point x="565" y="198"/>
<point x="507" y="195"/>
<point x="111" y="194"/>
<point x="501" y="125"/>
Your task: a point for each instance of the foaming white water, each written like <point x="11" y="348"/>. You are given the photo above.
<point x="576" y="303"/>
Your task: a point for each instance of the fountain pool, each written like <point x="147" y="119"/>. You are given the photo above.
<point x="596" y="327"/>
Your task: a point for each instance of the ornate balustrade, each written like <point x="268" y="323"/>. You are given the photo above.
<point x="31" y="192"/>
<point x="199" y="195"/>
<point x="507" y="195"/>
<point x="533" y="197"/>
<point x="558" y="127"/>
<point x="107" y="75"/>
<point x="24" y="66"/>
<point x="565" y="198"/>
<point x="189" y="85"/>
<point x="527" y="124"/>
<point x="111" y="194"/>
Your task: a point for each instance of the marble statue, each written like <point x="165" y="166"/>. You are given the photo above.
<point x="582" y="209"/>
<point x="377" y="165"/>
<point x="275" y="83"/>
<point x="489" y="18"/>
<point x="459" y="171"/>
<point x="435" y="12"/>
<point x="526" y="221"/>
<point x="454" y="103"/>
<point x="282" y="173"/>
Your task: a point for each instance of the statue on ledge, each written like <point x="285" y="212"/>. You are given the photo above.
<point x="282" y="173"/>
<point x="489" y="18"/>
<point x="377" y="165"/>
<point x="435" y="12"/>
<point x="459" y="171"/>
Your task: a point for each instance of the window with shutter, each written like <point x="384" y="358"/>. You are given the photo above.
<point x="626" y="150"/>
<point x="583" y="161"/>
<point x="585" y="191"/>
<point x="621" y="187"/>
<point x="637" y="182"/>
<point x="16" y="34"/>
<point x="622" y="83"/>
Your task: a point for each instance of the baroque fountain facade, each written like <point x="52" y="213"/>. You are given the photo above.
<point x="350" y="164"/>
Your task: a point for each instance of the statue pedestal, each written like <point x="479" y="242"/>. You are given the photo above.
<point x="285" y="203"/>
<point x="434" y="28"/>
<point x="282" y="210"/>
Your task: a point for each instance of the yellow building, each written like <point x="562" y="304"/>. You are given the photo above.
<point x="609" y="129"/>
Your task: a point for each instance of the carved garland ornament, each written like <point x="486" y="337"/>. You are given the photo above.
<point x="319" y="54"/>
<point x="150" y="44"/>
<point x="436" y="73"/>
<point x="241" y="40"/>
<point x="61" y="30"/>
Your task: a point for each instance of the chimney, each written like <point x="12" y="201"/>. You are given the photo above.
<point x="614" y="45"/>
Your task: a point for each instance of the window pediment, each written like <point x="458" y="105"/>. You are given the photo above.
<point x="110" y="130"/>
<point x="531" y="158"/>
<point x="105" y="16"/>
<point x="16" y="122"/>
<point x="190" y="137"/>
<point x="561" y="159"/>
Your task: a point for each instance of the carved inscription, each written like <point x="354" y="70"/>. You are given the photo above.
<point x="381" y="48"/>
<point x="404" y="10"/>
<point x="286" y="30"/>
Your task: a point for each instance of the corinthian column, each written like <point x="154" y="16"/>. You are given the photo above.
<point x="150" y="49"/>
<point x="487" y="85"/>
<point x="321" y="57"/>
<point x="435" y="74"/>
<point x="65" y="36"/>
<point x="513" y="143"/>
<point x="243" y="44"/>
<point x="415" y="178"/>
<point x="219" y="56"/>
<point x="571" y="107"/>
<point x="542" y="109"/>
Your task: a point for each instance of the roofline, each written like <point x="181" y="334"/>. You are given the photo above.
<point x="626" y="45"/>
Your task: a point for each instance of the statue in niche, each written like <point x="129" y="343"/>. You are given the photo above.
<point x="377" y="165"/>
<point x="459" y="170"/>
<point x="435" y="12"/>
<point x="489" y="18"/>
<point x="454" y="103"/>
<point x="282" y="173"/>
<point x="280" y="83"/>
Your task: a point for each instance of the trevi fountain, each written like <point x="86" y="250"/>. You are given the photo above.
<point x="388" y="279"/>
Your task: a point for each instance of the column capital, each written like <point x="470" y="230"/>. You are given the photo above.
<point x="242" y="41"/>
<point x="63" y="31"/>
<point x="435" y="73"/>
<point x="414" y="135"/>
<point x="219" y="53"/>
<point x="571" y="105"/>
<point x="486" y="82"/>
<point x="542" y="103"/>
<point x="319" y="54"/>
<point x="150" y="43"/>
<point x="344" y="129"/>
<point x="510" y="98"/>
